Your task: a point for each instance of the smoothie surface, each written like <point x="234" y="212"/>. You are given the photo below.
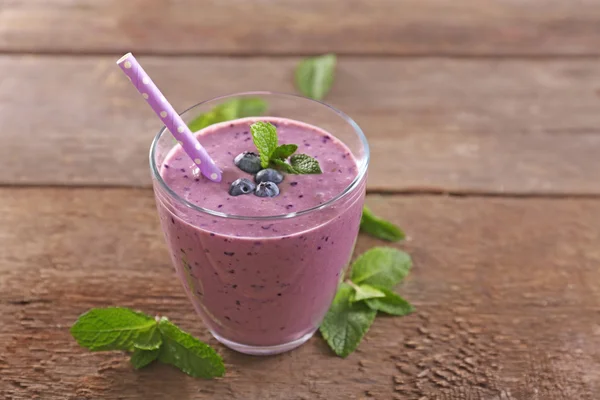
<point x="226" y="140"/>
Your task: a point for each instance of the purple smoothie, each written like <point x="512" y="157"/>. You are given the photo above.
<point x="261" y="272"/>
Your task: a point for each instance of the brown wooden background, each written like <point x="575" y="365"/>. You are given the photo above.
<point x="484" y="122"/>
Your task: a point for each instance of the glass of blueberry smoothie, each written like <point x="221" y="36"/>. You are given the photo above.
<point x="261" y="253"/>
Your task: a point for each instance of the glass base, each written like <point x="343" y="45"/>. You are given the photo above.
<point x="264" y="350"/>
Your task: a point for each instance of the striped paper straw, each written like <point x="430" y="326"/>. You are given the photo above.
<point x="169" y="117"/>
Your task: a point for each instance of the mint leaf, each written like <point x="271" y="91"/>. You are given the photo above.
<point x="116" y="328"/>
<point x="232" y="109"/>
<point x="284" y="151"/>
<point x="283" y="166"/>
<point x="113" y="328"/>
<point x="390" y="304"/>
<point x="187" y="353"/>
<point x="381" y="266"/>
<point x="140" y="358"/>
<point x="264" y="135"/>
<point x="314" y="76"/>
<point x="346" y="323"/>
<point x="304" y="164"/>
<point x="364" y="292"/>
<point x="151" y="341"/>
<point x="379" y="228"/>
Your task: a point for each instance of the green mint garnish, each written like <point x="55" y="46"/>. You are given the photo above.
<point x="116" y="328"/>
<point x="232" y="109"/>
<point x="381" y="267"/>
<point x="264" y="136"/>
<point x="379" y="228"/>
<point x="346" y="323"/>
<point x="314" y="76"/>
<point x="367" y="292"/>
<point x="390" y="304"/>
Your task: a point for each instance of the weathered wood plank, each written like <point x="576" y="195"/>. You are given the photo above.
<point x="506" y="291"/>
<point x="447" y="125"/>
<point x="423" y="27"/>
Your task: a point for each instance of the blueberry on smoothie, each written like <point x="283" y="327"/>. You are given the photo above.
<point x="241" y="186"/>
<point x="266" y="189"/>
<point x="248" y="162"/>
<point x="269" y="175"/>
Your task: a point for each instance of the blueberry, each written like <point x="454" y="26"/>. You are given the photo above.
<point x="269" y="175"/>
<point x="248" y="162"/>
<point x="266" y="189"/>
<point x="241" y="186"/>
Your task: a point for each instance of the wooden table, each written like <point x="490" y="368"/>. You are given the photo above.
<point x="484" y="122"/>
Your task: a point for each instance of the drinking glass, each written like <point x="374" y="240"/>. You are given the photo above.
<point x="271" y="295"/>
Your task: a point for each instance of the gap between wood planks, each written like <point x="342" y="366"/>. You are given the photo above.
<point x="376" y="192"/>
<point x="416" y="55"/>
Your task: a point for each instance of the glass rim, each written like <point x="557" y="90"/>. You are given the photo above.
<point x="362" y="167"/>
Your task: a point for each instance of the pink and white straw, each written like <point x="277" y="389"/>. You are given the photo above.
<point x="169" y="117"/>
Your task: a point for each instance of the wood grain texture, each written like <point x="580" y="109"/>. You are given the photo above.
<point x="445" y="125"/>
<point x="506" y="292"/>
<point x="412" y="27"/>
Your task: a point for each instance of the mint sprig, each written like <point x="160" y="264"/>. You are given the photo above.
<point x="149" y="339"/>
<point x="232" y="109"/>
<point x="379" y="228"/>
<point x="367" y="292"/>
<point x="264" y="136"/>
